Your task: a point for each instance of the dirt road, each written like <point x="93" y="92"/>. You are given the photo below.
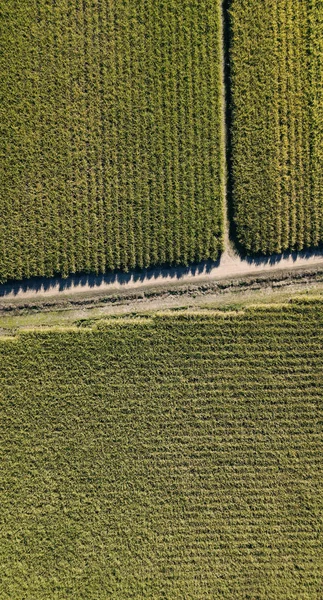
<point x="229" y="266"/>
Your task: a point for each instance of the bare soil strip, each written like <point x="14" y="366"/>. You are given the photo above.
<point x="230" y="266"/>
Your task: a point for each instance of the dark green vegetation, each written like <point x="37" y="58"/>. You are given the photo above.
<point x="169" y="457"/>
<point x="112" y="140"/>
<point x="277" y="133"/>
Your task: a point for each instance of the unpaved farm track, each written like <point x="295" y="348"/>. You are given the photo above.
<point x="230" y="266"/>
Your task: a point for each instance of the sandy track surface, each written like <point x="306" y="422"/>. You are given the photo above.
<point x="230" y="266"/>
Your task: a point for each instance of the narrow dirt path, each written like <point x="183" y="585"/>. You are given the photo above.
<point x="230" y="266"/>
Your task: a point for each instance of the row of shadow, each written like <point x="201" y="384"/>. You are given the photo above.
<point x="173" y="272"/>
<point x="38" y="284"/>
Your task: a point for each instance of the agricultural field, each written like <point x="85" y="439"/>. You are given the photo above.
<point x="171" y="456"/>
<point x="112" y="141"/>
<point x="276" y="62"/>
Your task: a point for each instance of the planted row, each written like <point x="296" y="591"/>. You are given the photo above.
<point x="112" y="142"/>
<point x="277" y="129"/>
<point x="168" y="457"/>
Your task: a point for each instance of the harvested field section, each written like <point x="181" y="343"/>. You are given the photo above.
<point x="169" y="457"/>
<point x="112" y="146"/>
<point x="277" y="130"/>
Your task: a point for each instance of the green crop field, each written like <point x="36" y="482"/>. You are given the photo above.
<point x="112" y="143"/>
<point x="277" y="129"/>
<point x="171" y="457"/>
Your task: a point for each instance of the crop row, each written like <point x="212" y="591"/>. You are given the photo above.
<point x="277" y="127"/>
<point x="168" y="457"/>
<point x="112" y="140"/>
